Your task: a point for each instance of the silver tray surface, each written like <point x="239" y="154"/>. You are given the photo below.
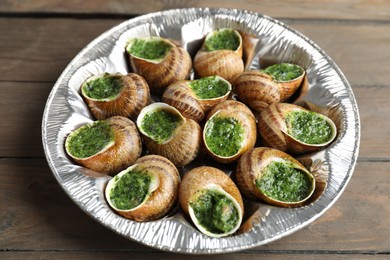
<point x="327" y="88"/>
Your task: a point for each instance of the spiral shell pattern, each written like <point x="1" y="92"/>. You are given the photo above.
<point x="180" y="96"/>
<point x="183" y="145"/>
<point x="174" y="67"/>
<point x="257" y="89"/>
<point x="133" y="96"/>
<point x="224" y="63"/>
<point x="250" y="167"/>
<point x="201" y="177"/>
<point x="164" y="197"/>
<point x="240" y="112"/>
<point x="273" y="130"/>
<point x="124" y="152"/>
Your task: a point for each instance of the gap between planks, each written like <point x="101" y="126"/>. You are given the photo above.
<point x="121" y="16"/>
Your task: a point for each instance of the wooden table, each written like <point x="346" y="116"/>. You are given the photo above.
<point x="39" y="38"/>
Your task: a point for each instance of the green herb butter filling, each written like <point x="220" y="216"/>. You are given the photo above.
<point x="215" y="212"/>
<point x="89" y="139"/>
<point x="284" y="71"/>
<point x="281" y="181"/>
<point x="159" y="125"/>
<point x="224" y="136"/>
<point x="308" y="127"/>
<point x="103" y="87"/>
<point x="224" y="39"/>
<point x="149" y="49"/>
<point x="209" y="87"/>
<point x="130" y="190"/>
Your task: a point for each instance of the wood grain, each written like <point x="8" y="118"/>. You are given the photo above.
<point x="35" y="214"/>
<point x="22" y="106"/>
<point x="300" y="9"/>
<point x="40" y="49"/>
<point x="168" y="256"/>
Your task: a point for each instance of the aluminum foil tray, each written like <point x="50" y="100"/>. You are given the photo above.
<point x="325" y="89"/>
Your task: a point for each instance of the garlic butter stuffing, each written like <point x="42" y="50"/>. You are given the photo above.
<point x="105" y="146"/>
<point x="212" y="201"/>
<point x="221" y="55"/>
<point x="145" y="191"/>
<point x="270" y="175"/>
<point x="194" y="98"/>
<point x="147" y="188"/>
<point x="167" y="133"/>
<point x="110" y="95"/>
<point x="159" y="61"/>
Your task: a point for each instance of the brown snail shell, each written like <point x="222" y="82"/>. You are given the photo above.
<point x="118" y="155"/>
<point x="164" y="190"/>
<point x="183" y="145"/>
<point x="206" y="177"/>
<point x="182" y="97"/>
<point x="289" y="87"/>
<point x="273" y="129"/>
<point x="250" y="168"/>
<point x="227" y="64"/>
<point x="240" y="112"/>
<point x="133" y="96"/>
<point x="174" y="67"/>
<point x="257" y="89"/>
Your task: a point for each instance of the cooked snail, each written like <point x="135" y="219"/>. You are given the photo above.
<point x="159" y="61"/>
<point x="289" y="77"/>
<point x="259" y="89"/>
<point x="230" y="130"/>
<point x="115" y="95"/>
<point x="292" y="128"/>
<point x="105" y="146"/>
<point x="145" y="191"/>
<point x="195" y="98"/>
<point x="169" y="134"/>
<point x="212" y="201"/>
<point x="220" y="54"/>
<point x="275" y="177"/>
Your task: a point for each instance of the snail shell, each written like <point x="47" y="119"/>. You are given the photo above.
<point x="203" y="178"/>
<point x="273" y="129"/>
<point x="175" y="66"/>
<point x="181" y="96"/>
<point x="257" y="89"/>
<point x="182" y="147"/>
<point x="237" y="111"/>
<point x="117" y="155"/>
<point x="133" y="96"/>
<point x="227" y="64"/>
<point x="288" y="87"/>
<point x="163" y="190"/>
<point x="250" y="168"/>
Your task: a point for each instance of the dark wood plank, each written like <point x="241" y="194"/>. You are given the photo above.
<point x="325" y="9"/>
<point x="39" y="49"/>
<point x="35" y="214"/>
<point x="374" y="107"/>
<point x="21" y="116"/>
<point x="360" y="50"/>
<point x="169" y="256"/>
<point x="23" y="104"/>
